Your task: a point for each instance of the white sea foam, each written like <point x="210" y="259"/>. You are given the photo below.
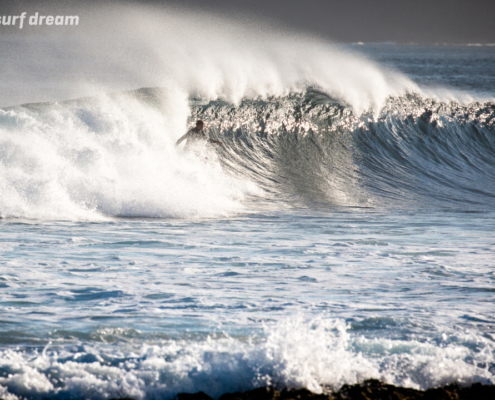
<point x="313" y="354"/>
<point x="106" y="158"/>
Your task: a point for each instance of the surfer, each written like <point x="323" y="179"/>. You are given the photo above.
<point x="196" y="135"/>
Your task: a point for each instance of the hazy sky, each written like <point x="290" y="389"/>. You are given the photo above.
<point x="413" y="21"/>
<point x="419" y="21"/>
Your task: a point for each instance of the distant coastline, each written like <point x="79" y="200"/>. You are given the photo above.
<point x="421" y="44"/>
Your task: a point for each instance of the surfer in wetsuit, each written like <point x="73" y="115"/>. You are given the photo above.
<point x="196" y="135"/>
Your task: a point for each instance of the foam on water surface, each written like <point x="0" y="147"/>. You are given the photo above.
<point x="108" y="157"/>
<point x="319" y="354"/>
<point x="150" y="308"/>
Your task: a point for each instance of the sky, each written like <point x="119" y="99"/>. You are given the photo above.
<point x="418" y="21"/>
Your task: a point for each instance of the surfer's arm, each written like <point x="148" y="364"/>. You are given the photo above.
<point x="184" y="137"/>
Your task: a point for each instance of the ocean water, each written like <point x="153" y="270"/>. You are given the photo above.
<point x="345" y="230"/>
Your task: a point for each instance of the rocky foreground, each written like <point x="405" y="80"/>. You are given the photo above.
<point x="369" y="390"/>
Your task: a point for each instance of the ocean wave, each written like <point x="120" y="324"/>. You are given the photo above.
<point x="114" y="156"/>
<point x="416" y="151"/>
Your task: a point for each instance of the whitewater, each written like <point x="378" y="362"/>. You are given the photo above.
<point x="344" y="231"/>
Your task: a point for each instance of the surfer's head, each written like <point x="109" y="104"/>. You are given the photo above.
<point x="200" y="124"/>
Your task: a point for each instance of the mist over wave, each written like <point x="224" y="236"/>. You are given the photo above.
<point x="129" y="47"/>
<point x="114" y="155"/>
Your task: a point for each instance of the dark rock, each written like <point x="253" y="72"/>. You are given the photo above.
<point x="440" y="394"/>
<point x="374" y="390"/>
<point x="266" y="393"/>
<point x="193" y="396"/>
<point x="368" y="390"/>
<point x="477" y="391"/>
<point x="301" y="394"/>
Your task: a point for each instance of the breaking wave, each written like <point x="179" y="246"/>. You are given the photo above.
<point x="320" y="355"/>
<point x="114" y="156"/>
<point x="304" y="122"/>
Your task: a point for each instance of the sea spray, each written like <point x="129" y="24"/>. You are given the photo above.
<point x="129" y="46"/>
<point x="106" y="157"/>
<point x="319" y="354"/>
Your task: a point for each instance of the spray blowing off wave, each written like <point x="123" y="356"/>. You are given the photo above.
<point x="129" y="47"/>
<point x="114" y="156"/>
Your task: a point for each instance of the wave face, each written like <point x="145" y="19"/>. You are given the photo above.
<point x="430" y="153"/>
<point x="308" y="147"/>
<point x="114" y="156"/>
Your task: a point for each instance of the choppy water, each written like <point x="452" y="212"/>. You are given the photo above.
<point x="330" y="240"/>
<point x="300" y="298"/>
